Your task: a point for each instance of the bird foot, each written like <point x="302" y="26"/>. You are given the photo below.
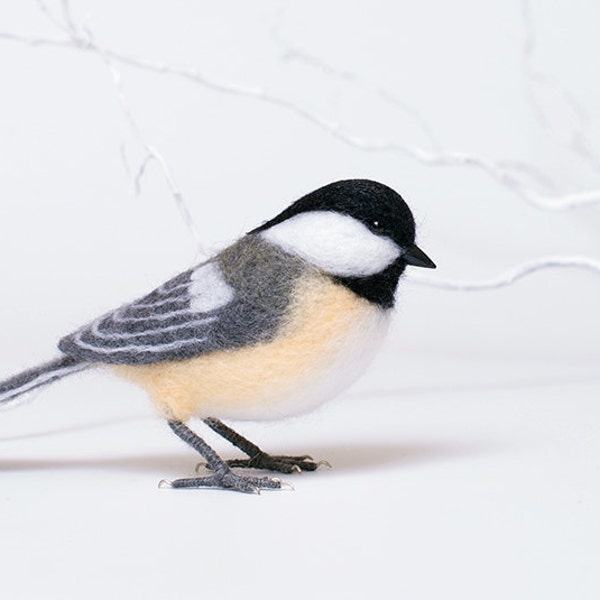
<point x="229" y="481"/>
<point x="279" y="464"/>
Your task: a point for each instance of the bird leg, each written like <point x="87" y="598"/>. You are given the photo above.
<point x="222" y="476"/>
<point x="257" y="458"/>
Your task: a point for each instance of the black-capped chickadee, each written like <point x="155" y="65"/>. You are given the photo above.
<point x="274" y="325"/>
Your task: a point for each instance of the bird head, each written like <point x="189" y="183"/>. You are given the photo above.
<point x="358" y="231"/>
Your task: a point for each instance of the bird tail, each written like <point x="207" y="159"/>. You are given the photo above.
<point x="34" y="378"/>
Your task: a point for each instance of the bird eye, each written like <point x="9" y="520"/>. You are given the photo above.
<point x="377" y="225"/>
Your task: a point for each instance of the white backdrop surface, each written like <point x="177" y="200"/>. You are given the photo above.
<point x="465" y="462"/>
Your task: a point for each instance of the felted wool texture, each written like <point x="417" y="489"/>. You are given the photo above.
<point x="237" y="298"/>
<point x="375" y="205"/>
<point x="234" y="300"/>
<point x="32" y="379"/>
<point x="325" y="340"/>
<point x="379" y="288"/>
<point x="333" y="259"/>
<point x="338" y="244"/>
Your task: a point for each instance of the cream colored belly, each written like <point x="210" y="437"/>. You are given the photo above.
<point x="326" y="343"/>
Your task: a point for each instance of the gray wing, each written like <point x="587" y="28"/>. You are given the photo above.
<point x="238" y="298"/>
<point x="180" y="319"/>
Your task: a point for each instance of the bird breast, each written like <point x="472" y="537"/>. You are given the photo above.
<point x="324" y="342"/>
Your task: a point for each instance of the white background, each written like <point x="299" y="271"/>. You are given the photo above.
<point x="465" y="462"/>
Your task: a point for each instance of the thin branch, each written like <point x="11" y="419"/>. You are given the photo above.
<point x="137" y="180"/>
<point x="505" y="176"/>
<point x="293" y="52"/>
<point x="578" y="142"/>
<point x="84" y="41"/>
<point x="35" y="41"/>
<point x="152" y="151"/>
<point x="82" y="38"/>
<point x="510" y="276"/>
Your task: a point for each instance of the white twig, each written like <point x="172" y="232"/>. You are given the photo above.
<point x="35" y="41"/>
<point x="508" y="277"/>
<point x="152" y="151"/>
<point x="84" y="39"/>
<point x="137" y="180"/>
<point x="504" y="175"/>
<point x="578" y="142"/>
<point x="51" y="16"/>
<point x="295" y="53"/>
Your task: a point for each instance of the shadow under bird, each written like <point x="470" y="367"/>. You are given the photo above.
<point x="272" y="326"/>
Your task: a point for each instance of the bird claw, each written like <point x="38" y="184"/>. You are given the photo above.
<point x="230" y="481"/>
<point x="281" y="464"/>
<point x="285" y="485"/>
<point x="201" y="465"/>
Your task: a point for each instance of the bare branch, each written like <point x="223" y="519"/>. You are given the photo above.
<point x="83" y="39"/>
<point x="505" y="175"/>
<point x="579" y="142"/>
<point x="510" y="276"/>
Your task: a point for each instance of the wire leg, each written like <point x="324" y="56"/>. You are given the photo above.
<point x="258" y="459"/>
<point x="222" y="476"/>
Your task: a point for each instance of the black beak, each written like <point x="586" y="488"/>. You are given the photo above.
<point x="413" y="255"/>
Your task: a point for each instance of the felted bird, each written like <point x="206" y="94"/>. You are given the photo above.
<point x="275" y="324"/>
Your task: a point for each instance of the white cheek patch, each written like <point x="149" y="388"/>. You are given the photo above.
<point x="336" y="243"/>
<point x="208" y="289"/>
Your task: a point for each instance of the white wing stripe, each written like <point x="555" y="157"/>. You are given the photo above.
<point x="40" y="380"/>
<point x="95" y="329"/>
<point x="118" y="318"/>
<point x="173" y="311"/>
<point x="136" y="347"/>
<point x="164" y="289"/>
<point x="159" y="302"/>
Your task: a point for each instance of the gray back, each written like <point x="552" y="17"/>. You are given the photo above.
<point x="237" y="298"/>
